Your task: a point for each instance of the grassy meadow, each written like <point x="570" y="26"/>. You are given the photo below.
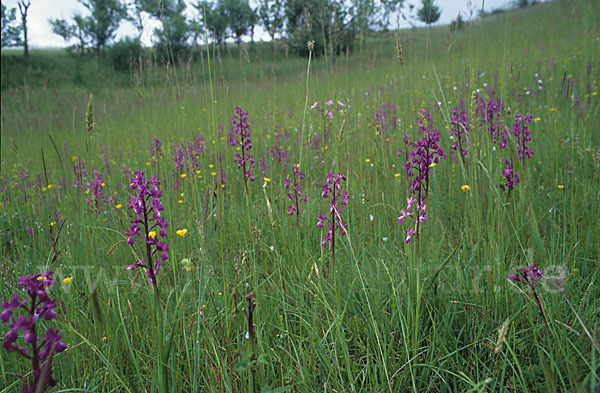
<point x="367" y="312"/>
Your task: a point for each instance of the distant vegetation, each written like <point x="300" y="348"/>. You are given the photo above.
<point x="416" y="212"/>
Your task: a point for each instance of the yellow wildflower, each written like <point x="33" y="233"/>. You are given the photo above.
<point x="67" y="280"/>
<point x="465" y="187"/>
<point x="181" y="232"/>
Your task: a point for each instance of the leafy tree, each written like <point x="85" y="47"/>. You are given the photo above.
<point x="364" y="15"/>
<point x="98" y="29"/>
<point x="23" y="7"/>
<point x="272" y="17"/>
<point x="389" y="8"/>
<point x="215" y="20"/>
<point x="328" y="23"/>
<point x="102" y="24"/>
<point x="10" y="33"/>
<point x="174" y="31"/>
<point x="429" y="13"/>
<point x="63" y="29"/>
<point x="239" y="16"/>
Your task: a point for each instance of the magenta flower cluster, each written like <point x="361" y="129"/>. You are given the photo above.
<point x="296" y="195"/>
<point x="97" y="197"/>
<point x="511" y="178"/>
<point x="521" y="132"/>
<point x="385" y="120"/>
<point x="526" y="274"/>
<point x="38" y="306"/>
<point x="459" y="130"/>
<point x="490" y="113"/>
<point x="426" y="153"/>
<point x="80" y="172"/>
<point x="148" y="207"/>
<point x="333" y="189"/>
<point x="241" y="128"/>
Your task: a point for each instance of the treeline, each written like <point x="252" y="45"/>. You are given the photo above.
<point x="331" y="25"/>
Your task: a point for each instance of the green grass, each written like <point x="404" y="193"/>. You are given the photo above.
<point x="391" y="316"/>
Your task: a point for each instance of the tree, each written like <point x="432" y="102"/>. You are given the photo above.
<point x="328" y="23"/>
<point x="23" y="7"/>
<point x="174" y="31"/>
<point x="239" y="16"/>
<point x="10" y="33"/>
<point x="429" y="13"/>
<point x="272" y="17"/>
<point x="102" y="24"/>
<point x="364" y="15"/>
<point x="62" y="28"/>
<point x="391" y="7"/>
<point x="215" y="20"/>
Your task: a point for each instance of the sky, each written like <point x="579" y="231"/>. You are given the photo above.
<point x="41" y="36"/>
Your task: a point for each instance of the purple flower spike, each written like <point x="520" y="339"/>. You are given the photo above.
<point x="296" y="195"/>
<point x="332" y="188"/>
<point x="241" y="139"/>
<point x="511" y="177"/>
<point x="37" y="305"/>
<point x="148" y="221"/>
<point x="426" y="153"/>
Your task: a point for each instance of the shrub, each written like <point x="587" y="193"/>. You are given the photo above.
<point x="124" y="53"/>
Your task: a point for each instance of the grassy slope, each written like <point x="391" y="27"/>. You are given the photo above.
<point x="385" y="319"/>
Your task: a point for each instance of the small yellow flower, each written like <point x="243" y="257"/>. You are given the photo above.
<point x="119" y="206"/>
<point x="537" y="119"/>
<point x="50" y="186"/>
<point x="560" y="186"/>
<point x="180" y="201"/>
<point x="432" y="164"/>
<point x="181" y="232"/>
<point x="40" y="278"/>
<point x="102" y="184"/>
<point x="68" y="280"/>
<point x="213" y="173"/>
<point x="187" y="269"/>
<point x="197" y="171"/>
<point x="183" y="175"/>
<point x="266" y="179"/>
<point x="298" y="166"/>
<point x="368" y="160"/>
<point x="52" y="224"/>
<point x="211" y="166"/>
<point x="147" y="163"/>
<point x="44" y="189"/>
<point x="87" y="191"/>
<point x="73" y="158"/>
<point x="220" y="293"/>
<point x="181" y="195"/>
<point x="152" y="234"/>
<point x="104" y="339"/>
<point x="397" y="175"/>
<point x="203" y="306"/>
<point x="465" y="187"/>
